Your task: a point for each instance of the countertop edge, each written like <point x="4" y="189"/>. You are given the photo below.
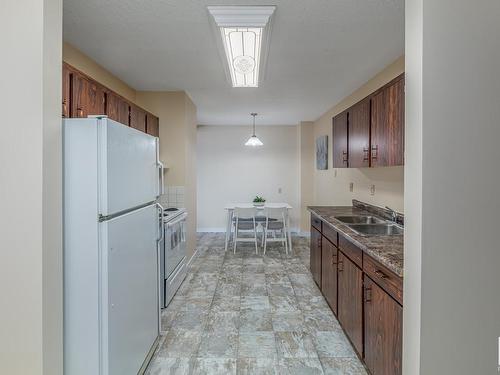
<point x="348" y="235"/>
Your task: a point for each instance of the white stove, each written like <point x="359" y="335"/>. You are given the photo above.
<point x="172" y="252"/>
<point x="172" y="212"/>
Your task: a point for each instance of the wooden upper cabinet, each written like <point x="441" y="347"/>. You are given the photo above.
<point x="387" y="125"/>
<point x="137" y="118"/>
<point x="359" y="134"/>
<point x="83" y="96"/>
<point x="152" y="125"/>
<point x="371" y="132"/>
<point x="66" y="88"/>
<point x="79" y="96"/>
<point x="329" y="257"/>
<point x="339" y="140"/>
<point x="350" y="300"/>
<point x="383" y="331"/>
<point x="117" y="108"/>
<point x="315" y="256"/>
<point x="87" y="97"/>
<point x="96" y="99"/>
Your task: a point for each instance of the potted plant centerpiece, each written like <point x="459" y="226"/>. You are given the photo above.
<point x="258" y="201"/>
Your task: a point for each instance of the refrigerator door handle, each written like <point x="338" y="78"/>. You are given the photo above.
<point x="161" y="183"/>
<point x="161" y="187"/>
<point x="162" y="224"/>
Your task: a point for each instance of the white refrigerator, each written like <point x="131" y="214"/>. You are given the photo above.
<point x="112" y="178"/>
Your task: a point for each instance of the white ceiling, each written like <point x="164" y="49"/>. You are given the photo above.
<point x="320" y="51"/>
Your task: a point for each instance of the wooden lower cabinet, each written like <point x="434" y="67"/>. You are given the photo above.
<point x="329" y="259"/>
<point x="383" y="331"/>
<point x="350" y="300"/>
<point x="365" y="296"/>
<point x="315" y="256"/>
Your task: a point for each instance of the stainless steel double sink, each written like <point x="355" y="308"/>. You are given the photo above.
<point x="371" y="225"/>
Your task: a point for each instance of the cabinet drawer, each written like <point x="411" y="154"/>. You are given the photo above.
<point x="351" y="251"/>
<point x="316" y="222"/>
<point x="331" y="234"/>
<point x="388" y="280"/>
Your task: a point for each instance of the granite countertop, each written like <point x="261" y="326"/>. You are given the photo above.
<point x="388" y="250"/>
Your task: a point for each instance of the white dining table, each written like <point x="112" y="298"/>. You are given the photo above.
<point x="230" y="211"/>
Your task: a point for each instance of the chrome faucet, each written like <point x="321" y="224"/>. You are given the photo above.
<point x="394" y="214"/>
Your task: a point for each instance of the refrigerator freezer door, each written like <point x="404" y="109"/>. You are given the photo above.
<point x="81" y="248"/>
<point x="128" y="168"/>
<point x="131" y="304"/>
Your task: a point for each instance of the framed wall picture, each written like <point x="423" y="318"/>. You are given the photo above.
<point x="322" y="152"/>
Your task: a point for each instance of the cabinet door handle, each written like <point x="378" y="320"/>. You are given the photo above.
<point x="334" y="260"/>
<point x="368" y="294"/>
<point x="374" y="152"/>
<point x="381" y="274"/>
<point x="344" y="157"/>
<point x="366" y="152"/>
<point x="340" y="265"/>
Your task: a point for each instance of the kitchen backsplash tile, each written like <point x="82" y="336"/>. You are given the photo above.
<point x="172" y="197"/>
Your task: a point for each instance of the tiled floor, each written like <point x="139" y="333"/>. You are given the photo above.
<point x="251" y="314"/>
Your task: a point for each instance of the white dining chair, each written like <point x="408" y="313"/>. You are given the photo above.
<point x="276" y="222"/>
<point x="244" y="220"/>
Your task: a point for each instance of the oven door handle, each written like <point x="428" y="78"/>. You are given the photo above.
<point x="181" y="218"/>
<point x="162" y="224"/>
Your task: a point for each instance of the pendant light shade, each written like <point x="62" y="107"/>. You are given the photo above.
<point x="253" y="140"/>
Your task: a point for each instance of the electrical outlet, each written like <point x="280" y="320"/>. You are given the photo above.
<point x="351" y="187"/>
<point x="279" y="190"/>
<point x="372" y="190"/>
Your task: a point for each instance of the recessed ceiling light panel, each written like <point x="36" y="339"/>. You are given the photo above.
<point x="245" y="34"/>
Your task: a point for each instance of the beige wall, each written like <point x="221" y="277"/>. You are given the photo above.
<point x="31" y="188"/>
<point x="305" y="138"/>
<point x="331" y="187"/>
<point x="178" y="123"/>
<point x="191" y="177"/>
<point x="170" y="107"/>
<point x="229" y="171"/>
<point x="451" y="283"/>
<point x="82" y="62"/>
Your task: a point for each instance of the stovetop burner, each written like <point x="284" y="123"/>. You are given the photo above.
<point x="171" y="209"/>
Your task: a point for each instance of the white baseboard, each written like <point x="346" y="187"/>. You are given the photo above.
<point x="223" y="230"/>
<point x="211" y="230"/>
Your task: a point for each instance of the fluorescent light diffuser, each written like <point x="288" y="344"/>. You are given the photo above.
<point x="242" y="46"/>
<point x="243" y="30"/>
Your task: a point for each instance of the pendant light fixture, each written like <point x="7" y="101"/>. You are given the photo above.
<point x="253" y="140"/>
